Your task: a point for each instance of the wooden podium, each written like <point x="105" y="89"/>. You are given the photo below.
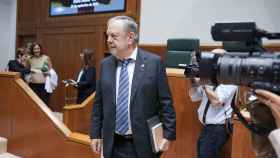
<point x="70" y="94"/>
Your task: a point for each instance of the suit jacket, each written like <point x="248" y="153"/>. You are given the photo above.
<point x="87" y="83"/>
<point x="150" y="96"/>
<point x="15" y="66"/>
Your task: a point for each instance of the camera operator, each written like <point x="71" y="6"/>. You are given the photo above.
<point x="273" y="102"/>
<point x="214" y="113"/>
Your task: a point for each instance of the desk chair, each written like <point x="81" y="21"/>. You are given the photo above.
<point x="181" y="51"/>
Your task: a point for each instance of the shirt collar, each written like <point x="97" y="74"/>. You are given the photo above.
<point x="133" y="55"/>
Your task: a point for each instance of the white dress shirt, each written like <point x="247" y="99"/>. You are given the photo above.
<point x="274" y="138"/>
<point x="215" y="114"/>
<point x="130" y="69"/>
<point x="80" y="75"/>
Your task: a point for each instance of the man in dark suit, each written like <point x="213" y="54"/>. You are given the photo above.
<point x="132" y="88"/>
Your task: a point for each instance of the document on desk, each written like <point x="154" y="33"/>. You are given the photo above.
<point x="156" y="133"/>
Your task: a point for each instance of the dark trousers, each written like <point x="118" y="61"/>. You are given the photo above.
<point x="211" y="140"/>
<point x="39" y="89"/>
<point x="123" y="147"/>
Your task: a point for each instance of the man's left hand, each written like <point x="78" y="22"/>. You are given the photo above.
<point x="164" y="145"/>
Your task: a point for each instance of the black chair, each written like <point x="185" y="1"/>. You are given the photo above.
<point x="180" y="51"/>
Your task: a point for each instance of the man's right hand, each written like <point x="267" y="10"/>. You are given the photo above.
<point x="96" y="145"/>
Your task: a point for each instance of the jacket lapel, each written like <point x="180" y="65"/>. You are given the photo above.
<point x="138" y="74"/>
<point x="112" y="76"/>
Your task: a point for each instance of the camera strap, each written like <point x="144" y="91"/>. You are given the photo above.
<point x="228" y="120"/>
<point x="207" y="108"/>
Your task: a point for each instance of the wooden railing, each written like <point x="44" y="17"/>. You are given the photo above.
<point x="77" y="116"/>
<point x="31" y="128"/>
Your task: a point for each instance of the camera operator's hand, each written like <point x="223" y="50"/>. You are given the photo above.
<point x="212" y="96"/>
<point x="272" y="101"/>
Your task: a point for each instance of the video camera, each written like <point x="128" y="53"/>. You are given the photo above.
<point x="255" y="68"/>
<point x="250" y="66"/>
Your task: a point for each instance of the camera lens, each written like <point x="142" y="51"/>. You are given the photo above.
<point x="257" y="71"/>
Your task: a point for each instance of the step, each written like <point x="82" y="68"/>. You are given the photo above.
<point x="3" y="145"/>
<point x="8" y="155"/>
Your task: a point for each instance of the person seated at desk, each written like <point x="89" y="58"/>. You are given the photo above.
<point x="19" y="64"/>
<point x="85" y="83"/>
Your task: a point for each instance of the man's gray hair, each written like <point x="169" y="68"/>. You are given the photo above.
<point x="129" y="25"/>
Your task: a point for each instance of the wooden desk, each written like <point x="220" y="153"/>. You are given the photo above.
<point x="188" y="126"/>
<point x="241" y="142"/>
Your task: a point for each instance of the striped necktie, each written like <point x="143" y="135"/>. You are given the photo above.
<point x="122" y="100"/>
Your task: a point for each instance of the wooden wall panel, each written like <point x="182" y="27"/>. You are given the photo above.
<point x="28" y="16"/>
<point x="156" y="48"/>
<point x="28" y="10"/>
<point x="63" y="46"/>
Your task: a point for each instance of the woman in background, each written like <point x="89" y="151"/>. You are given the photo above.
<point x="86" y="79"/>
<point x="40" y="65"/>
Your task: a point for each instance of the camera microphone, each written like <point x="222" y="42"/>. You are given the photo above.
<point x="242" y="31"/>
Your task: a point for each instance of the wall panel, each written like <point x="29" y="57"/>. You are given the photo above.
<point x="28" y="16"/>
<point x="63" y="46"/>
